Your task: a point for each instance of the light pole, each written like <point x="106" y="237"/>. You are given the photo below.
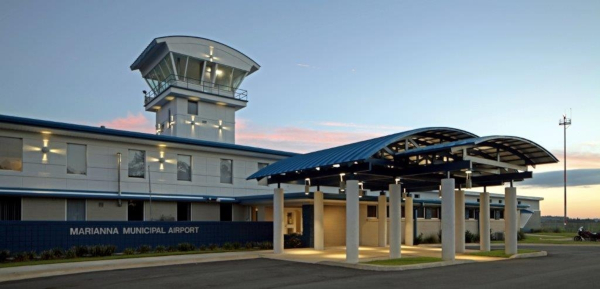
<point x="565" y="122"/>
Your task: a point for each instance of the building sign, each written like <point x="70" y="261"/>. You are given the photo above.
<point x="83" y="231"/>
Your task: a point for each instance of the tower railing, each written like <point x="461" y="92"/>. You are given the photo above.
<point x="196" y="85"/>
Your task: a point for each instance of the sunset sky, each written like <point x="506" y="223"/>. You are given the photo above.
<point x="334" y="72"/>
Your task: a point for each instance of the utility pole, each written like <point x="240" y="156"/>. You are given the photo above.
<point x="565" y="122"/>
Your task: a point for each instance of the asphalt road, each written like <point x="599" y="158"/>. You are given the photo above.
<point x="565" y="267"/>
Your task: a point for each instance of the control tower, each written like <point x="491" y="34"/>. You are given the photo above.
<point x="194" y="86"/>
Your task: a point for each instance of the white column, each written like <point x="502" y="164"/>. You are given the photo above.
<point x="278" y="221"/>
<point x="448" y="225"/>
<point x="409" y="233"/>
<point x="510" y="221"/>
<point x="395" y="225"/>
<point x="382" y="221"/>
<point x="352" y="225"/>
<point x="484" y="222"/>
<point x="319" y="240"/>
<point x="459" y="220"/>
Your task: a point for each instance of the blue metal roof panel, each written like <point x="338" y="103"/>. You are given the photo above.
<point x="137" y="135"/>
<point x="358" y="151"/>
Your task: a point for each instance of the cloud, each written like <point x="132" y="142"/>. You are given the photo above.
<point x="389" y="128"/>
<point x="131" y="122"/>
<point x="576" y="159"/>
<point x="303" y="65"/>
<point x="553" y="179"/>
<point x="297" y="139"/>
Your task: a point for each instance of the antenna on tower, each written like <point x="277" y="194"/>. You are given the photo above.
<point x="565" y="123"/>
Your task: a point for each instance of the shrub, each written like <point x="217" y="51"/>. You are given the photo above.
<point x="266" y="245"/>
<point x="22" y="257"/>
<point x="47" y="255"/>
<point x="102" y="250"/>
<point x="71" y="253"/>
<point x="556" y="230"/>
<point x="237" y="245"/>
<point x="143" y="249"/>
<point x="159" y="249"/>
<point x="431" y="239"/>
<point x="213" y="247"/>
<point x="439" y="236"/>
<point x="249" y="245"/>
<point x="293" y="241"/>
<point x="418" y="239"/>
<point x="4" y="254"/>
<point x="520" y="236"/>
<point x="81" y="251"/>
<point x="172" y="248"/>
<point x="202" y="247"/>
<point x="227" y="246"/>
<point x="58" y="252"/>
<point x="184" y="247"/>
<point x="469" y="237"/>
<point x="128" y="251"/>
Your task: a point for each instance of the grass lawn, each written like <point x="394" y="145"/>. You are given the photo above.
<point x="405" y="261"/>
<point x="114" y="257"/>
<point x="500" y="253"/>
<point x="554" y="238"/>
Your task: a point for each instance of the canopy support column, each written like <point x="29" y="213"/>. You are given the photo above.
<point x="319" y="240"/>
<point x="352" y="222"/>
<point x="484" y="221"/>
<point x="278" y="221"/>
<point x="382" y="221"/>
<point x="409" y="234"/>
<point x="448" y="221"/>
<point x="510" y="220"/>
<point x="459" y="238"/>
<point x="396" y="225"/>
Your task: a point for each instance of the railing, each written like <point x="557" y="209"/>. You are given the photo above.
<point x="195" y="84"/>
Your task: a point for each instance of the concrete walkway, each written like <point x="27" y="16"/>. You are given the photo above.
<point x="338" y="254"/>
<point x="37" y="271"/>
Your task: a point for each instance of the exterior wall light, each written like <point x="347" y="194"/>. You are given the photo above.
<point x="440" y="192"/>
<point x="468" y="181"/>
<point x="172" y="121"/>
<point x="158" y="128"/>
<point x="161" y="160"/>
<point x="45" y="150"/>
<point x="361" y="191"/>
<point x="307" y="186"/>
<point x="336" y="165"/>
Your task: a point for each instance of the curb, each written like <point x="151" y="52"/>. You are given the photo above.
<point x="39" y="271"/>
<point x="529" y="255"/>
<point x="382" y="268"/>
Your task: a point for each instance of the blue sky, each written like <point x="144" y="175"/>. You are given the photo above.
<point x="344" y="70"/>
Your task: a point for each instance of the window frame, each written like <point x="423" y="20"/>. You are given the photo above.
<point x="67" y="209"/>
<point x="22" y="156"/>
<point x="85" y="158"/>
<point x="145" y="163"/>
<point x="197" y="103"/>
<point x="191" y="167"/>
<point x="221" y="171"/>
<point x="376" y="212"/>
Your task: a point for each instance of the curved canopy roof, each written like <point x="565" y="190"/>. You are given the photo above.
<point x="421" y="157"/>
<point x="361" y="151"/>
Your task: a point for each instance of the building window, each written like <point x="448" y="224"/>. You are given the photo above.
<point x="372" y="212"/>
<point x="478" y="200"/>
<point x="519" y="202"/>
<point x="137" y="164"/>
<point x="421" y="213"/>
<point x="76" y="159"/>
<point x="263" y="181"/>
<point x="226" y="212"/>
<point x="431" y="213"/>
<point x="192" y="107"/>
<point x="135" y="211"/>
<point x="10" y="209"/>
<point x="76" y="210"/>
<point x="184" y="168"/>
<point x="417" y="196"/>
<point x="11" y="154"/>
<point x="226" y="171"/>
<point x="184" y="211"/>
<point x="500" y="201"/>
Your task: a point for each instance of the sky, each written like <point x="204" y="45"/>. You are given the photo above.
<point x="334" y="72"/>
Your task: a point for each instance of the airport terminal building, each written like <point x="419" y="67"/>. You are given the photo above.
<point x="192" y="172"/>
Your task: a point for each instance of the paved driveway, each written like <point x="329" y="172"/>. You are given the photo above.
<point x="565" y="267"/>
